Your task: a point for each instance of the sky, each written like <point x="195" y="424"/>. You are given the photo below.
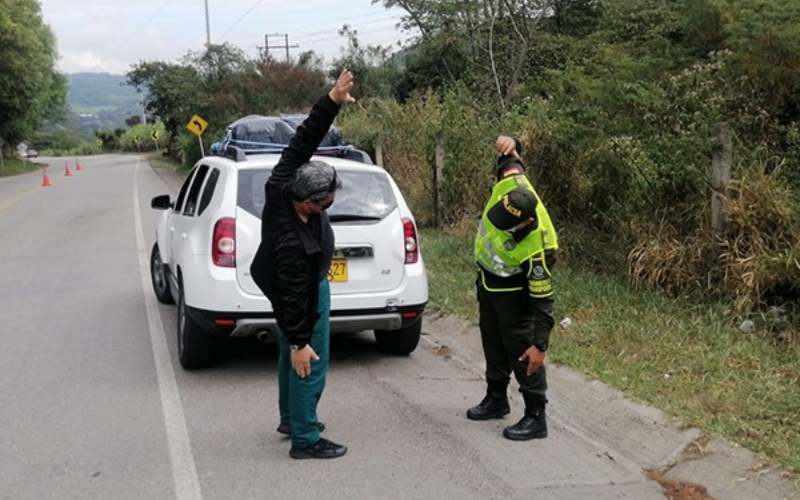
<point x="110" y="36"/>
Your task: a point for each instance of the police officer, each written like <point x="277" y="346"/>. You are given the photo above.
<point x="514" y="250"/>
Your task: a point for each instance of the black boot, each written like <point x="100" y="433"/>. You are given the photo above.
<point x="494" y="405"/>
<point x="532" y="426"/>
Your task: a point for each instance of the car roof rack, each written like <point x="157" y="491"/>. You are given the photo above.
<point x="238" y="150"/>
<point x="257" y="134"/>
<point x="235" y="153"/>
<point x="273" y="147"/>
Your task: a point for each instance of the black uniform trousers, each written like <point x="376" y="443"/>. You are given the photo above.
<point x="507" y="324"/>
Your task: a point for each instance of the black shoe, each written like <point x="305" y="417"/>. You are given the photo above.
<point x="532" y="426"/>
<point x="493" y="406"/>
<point x="285" y="429"/>
<point x="321" y="449"/>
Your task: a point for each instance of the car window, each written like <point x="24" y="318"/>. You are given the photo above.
<point x="208" y="191"/>
<point x="184" y="189"/>
<point x="194" y="191"/>
<point x="364" y="195"/>
<point x="251" y="195"/>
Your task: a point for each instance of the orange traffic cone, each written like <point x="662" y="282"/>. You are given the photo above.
<point x="45" y="178"/>
<point x="77" y="164"/>
<point x="66" y="169"/>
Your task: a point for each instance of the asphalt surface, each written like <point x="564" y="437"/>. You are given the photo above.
<point x="93" y="403"/>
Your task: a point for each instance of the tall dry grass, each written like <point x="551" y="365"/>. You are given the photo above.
<point x="755" y="262"/>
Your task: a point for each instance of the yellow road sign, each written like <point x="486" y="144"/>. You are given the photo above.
<point x="99" y="142"/>
<point x="136" y="139"/>
<point x="154" y="135"/>
<point x="197" y="125"/>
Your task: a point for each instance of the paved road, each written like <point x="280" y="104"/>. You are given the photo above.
<point x="94" y="405"/>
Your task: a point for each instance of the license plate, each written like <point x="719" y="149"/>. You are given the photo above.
<point x="338" y="270"/>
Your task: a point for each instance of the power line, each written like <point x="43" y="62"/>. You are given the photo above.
<point x="352" y="26"/>
<point x="318" y="36"/>
<point x="394" y="39"/>
<point x="239" y="20"/>
<point x="314" y="26"/>
<point x="268" y="47"/>
<point x="397" y="38"/>
<point x="140" y="28"/>
<point x="329" y="38"/>
<point x="344" y="19"/>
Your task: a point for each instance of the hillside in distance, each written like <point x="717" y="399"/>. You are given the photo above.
<point x="94" y="91"/>
<point x="101" y="100"/>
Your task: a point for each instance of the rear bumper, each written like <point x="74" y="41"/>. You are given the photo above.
<point x="228" y="324"/>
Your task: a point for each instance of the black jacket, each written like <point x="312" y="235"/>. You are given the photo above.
<point x="293" y="256"/>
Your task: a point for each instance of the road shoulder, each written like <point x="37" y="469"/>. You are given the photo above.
<point x="629" y="431"/>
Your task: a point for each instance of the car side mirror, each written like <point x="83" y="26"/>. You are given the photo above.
<point x="161" y="202"/>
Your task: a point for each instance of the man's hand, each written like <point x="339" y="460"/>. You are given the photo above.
<point x="340" y="93"/>
<point x="505" y="145"/>
<point x="301" y="360"/>
<point x="535" y="359"/>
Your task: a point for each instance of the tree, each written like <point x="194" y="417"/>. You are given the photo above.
<point x="764" y="37"/>
<point x="276" y="87"/>
<point x="486" y="42"/>
<point x="217" y="63"/>
<point x="30" y="87"/>
<point x="374" y="70"/>
<point x="574" y="17"/>
<point x="133" y="120"/>
<point x="171" y="93"/>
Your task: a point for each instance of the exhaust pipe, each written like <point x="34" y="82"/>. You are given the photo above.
<point x="264" y="336"/>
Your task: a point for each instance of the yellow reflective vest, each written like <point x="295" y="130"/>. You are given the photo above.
<point x="497" y="252"/>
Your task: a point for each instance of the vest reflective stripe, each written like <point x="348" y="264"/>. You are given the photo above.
<point x="496" y="251"/>
<point x="486" y="287"/>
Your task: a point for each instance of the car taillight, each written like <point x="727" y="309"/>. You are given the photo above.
<point x="223" y="246"/>
<point x="411" y="243"/>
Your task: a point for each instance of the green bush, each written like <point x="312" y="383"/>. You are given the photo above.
<point x="139" y="138"/>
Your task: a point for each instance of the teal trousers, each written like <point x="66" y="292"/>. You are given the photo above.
<point x="298" y="397"/>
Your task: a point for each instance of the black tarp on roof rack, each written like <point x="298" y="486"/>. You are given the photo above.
<point x="271" y="134"/>
<point x="279" y="129"/>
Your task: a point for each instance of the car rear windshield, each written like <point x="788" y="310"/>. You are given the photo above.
<point x="364" y="196"/>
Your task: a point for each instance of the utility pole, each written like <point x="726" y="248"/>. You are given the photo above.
<point x="208" y="28"/>
<point x="285" y="45"/>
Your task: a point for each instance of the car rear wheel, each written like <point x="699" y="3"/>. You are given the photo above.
<point x="195" y="345"/>
<point x="402" y="341"/>
<point x="158" y="275"/>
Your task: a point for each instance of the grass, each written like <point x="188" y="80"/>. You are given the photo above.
<point x="16" y="166"/>
<point x="681" y="355"/>
<point x="158" y="160"/>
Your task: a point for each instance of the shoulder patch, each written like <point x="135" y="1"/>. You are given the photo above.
<point x="511" y="171"/>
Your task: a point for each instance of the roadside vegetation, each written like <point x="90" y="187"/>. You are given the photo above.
<point x="16" y="166"/>
<point x="685" y="355"/>
<point x="31" y="89"/>
<point x="663" y="136"/>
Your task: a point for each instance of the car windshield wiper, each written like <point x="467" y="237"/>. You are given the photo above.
<point x="351" y="217"/>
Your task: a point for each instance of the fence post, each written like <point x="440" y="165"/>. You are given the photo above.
<point x="720" y="174"/>
<point x="437" y="178"/>
<point x="379" y="154"/>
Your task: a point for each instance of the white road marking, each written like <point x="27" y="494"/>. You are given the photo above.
<point x="184" y="472"/>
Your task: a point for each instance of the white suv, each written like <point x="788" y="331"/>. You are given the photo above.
<point x="207" y="237"/>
